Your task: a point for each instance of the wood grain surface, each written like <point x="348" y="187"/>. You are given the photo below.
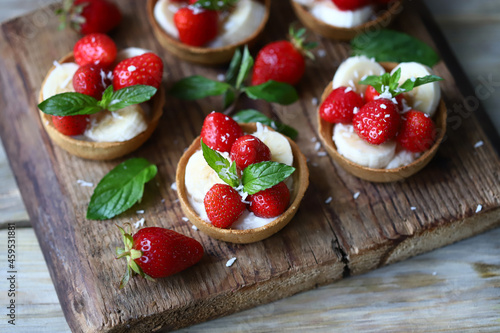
<point x="376" y="229"/>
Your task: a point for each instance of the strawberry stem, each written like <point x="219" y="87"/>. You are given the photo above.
<point x="298" y="39"/>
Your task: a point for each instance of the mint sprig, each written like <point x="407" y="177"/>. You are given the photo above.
<point x="254" y="116"/>
<point x="255" y="177"/>
<point x="197" y="87"/>
<point x="73" y="103"/>
<point x="215" y="4"/>
<point x="120" y="189"/>
<point x="387" y="83"/>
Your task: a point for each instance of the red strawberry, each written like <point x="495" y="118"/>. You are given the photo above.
<point x="247" y="150"/>
<point x="97" y="49"/>
<point x="219" y="132"/>
<point x="339" y="106"/>
<point x="417" y="133"/>
<point x="70" y="125"/>
<point x="158" y="252"/>
<point x="371" y="94"/>
<point x="271" y="202"/>
<point x="377" y="121"/>
<point x="350" y="4"/>
<point x="97" y="16"/>
<point x="145" y="69"/>
<point x="196" y="26"/>
<point x="223" y="205"/>
<point x="91" y="80"/>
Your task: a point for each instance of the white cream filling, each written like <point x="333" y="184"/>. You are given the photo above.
<point x="326" y="11"/>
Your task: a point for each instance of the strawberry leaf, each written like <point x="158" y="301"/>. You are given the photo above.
<point x="70" y="104"/>
<point x="128" y="96"/>
<point x="245" y="68"/>
<point x="273" y="91"/>
<point x="197" y="87"/>
<point x="120" y="189"/>
<point x="261" y="176"/>
<point x="224" y="168"/>
<point x="254" y="116"/>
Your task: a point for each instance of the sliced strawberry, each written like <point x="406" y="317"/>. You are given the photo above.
<point x="339" y="106"/>
<point x="223" y="205"/>
<point x="91" y="80"/>
<point x="196" y="26"/>
<point x="97" y="49"/>
<point x="146" y="69"/>
<point x="372" y="94"/>
<point x="70" y="125"/>
<point x="417" y="133"/>
<point x="249" y="149"/>
<point x="271" y="202"/>
<point x="377" y="121"/>
<point x="350" y="4"/>
<point x="219" y="132"/>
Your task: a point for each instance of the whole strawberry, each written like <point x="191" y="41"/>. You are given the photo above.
<point x="417" y="133"/>
<point x="282" y="61"/>
<point x="196" y="26"/>
<point x="271" y="202"/>
<point x="70" y="125"/>
<point x="219" y="132"/>
<point x="155" y="252"/>
<point x="223" y="205"/>
<point x="96" y="49"/>
<point x="372" y="94"/>
<point x="89" y="16"/>
<point x="339" y="106"/>
<point x="351" y="4"/>
<point x="377" y="121"/>
<point x="146" y="69"/>
<point x="91" y="80"/>
<point x="249" y="149"/>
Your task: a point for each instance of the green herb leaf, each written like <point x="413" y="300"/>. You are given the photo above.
<point x="408" y="85"/>
<point x="120" y="189"/>
<point x="229" y="97"/>
<point x="254" y="116"/>
<point x="261" y="176"/>
<point x="129" y="96"/>
<point x="234" y="67"/>
<point x="215" y="4"/>
<point x="70" y="104"/>
<point x="273" y="91"/>
<point x="196" y="87"/>
<point x="389" y="45"/>
<point x="107" y="96"/>
<point x="245" y="68"/>
<point x="225" y="169"/>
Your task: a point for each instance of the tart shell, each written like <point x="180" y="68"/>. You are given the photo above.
<point x="102" y="150"/>
<point x="300" y="184"/>
<point x="325" y="130"/>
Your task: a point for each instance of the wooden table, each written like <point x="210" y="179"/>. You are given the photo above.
<point x="451" y="289"/>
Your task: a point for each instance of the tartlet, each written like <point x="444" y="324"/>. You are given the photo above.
<point x="300" y="184"/>
<point x="203" y="55"/>
<point x="346" y="34"/>
<point x="101" y="150"/>
<point x="325" y="130"/>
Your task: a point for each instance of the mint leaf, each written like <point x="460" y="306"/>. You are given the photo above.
<point x="70" y="104"/>
<point x="225" y="169"/>
<point x="129" y="96"/>
<point x="120" y="189"/>
<point x="245" y="68"/>
<point x="390" y="45"/>
<point x="408" y="85"/>
<point x="273" y="91"/>
<point x="254" y="116"/>
<point x="261" y="176"/>
<point x="106" y="96"/>
<point x="215" y="4"/>
<point x="234" y="67"/>
<point x="196" y="87"/>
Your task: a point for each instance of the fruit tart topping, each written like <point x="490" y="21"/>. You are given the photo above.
<point x="417" y="133"/>
<point x="71" y="125"/>
<point x="219" y="132"/>
<point x="154" y="252"/>
<point x="248" y="150"/>
<point x="271" y="202"/>
<point x="340" y="105"/>
<point x="223" y="205"/>
<point x="254" y="116"/>
<point x="351" y="4"/>
<point x="91" y="80"/>
<point x="196" y="26"/>
<point x="96" y="48"/>
<point x="145" y="69"/>
<point x="377" y="121"/>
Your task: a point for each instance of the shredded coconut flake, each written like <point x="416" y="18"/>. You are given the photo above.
<point x="479" y="144"/>
<point x="383" y="106"/>
<point x="221" y="77"/>
<point x="84" y="183"/>
<point x="140" y="223"/>
<point x="173" y="186"/>
<point x="321" y="53"/>
<point x="356" y="195"/>
<point x="328" y="200"/>
<point x="131" y="68"/>
<point x="434" y="273"/>
<point x="317" y="146"/>
<point x="321" y="153"/>
<point x="479" y="208"/>
<point x="140" y="211"/>
<point x="314" y="101"/>
<point x="413" y="208"/>
<point x="348" y="89"/>
<point x="194" y="227"/>
<point x="314" y="139"/>
<point x="355" y="110"/>
<point x="230" y="262"/>
<point x="185" y="219"/>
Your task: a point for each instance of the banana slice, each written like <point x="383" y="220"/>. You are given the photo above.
<point x="130" y="52"/>
<point x="278" y="144"/>
<point x="241" y="23"/>
<point x="353" y="70"/>
<point x="200" y="177"/>
<point x="355" y="149"/>
<point x="424" y="98"/>
<point x="327" y="12"/>
<point x="402" y="158"/>
<point x="60" y="80"/>
<point x="117" y="126"/>
<point x="164" y="12"/>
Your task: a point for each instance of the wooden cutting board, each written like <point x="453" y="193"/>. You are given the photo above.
<point x="324" y="242"/>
